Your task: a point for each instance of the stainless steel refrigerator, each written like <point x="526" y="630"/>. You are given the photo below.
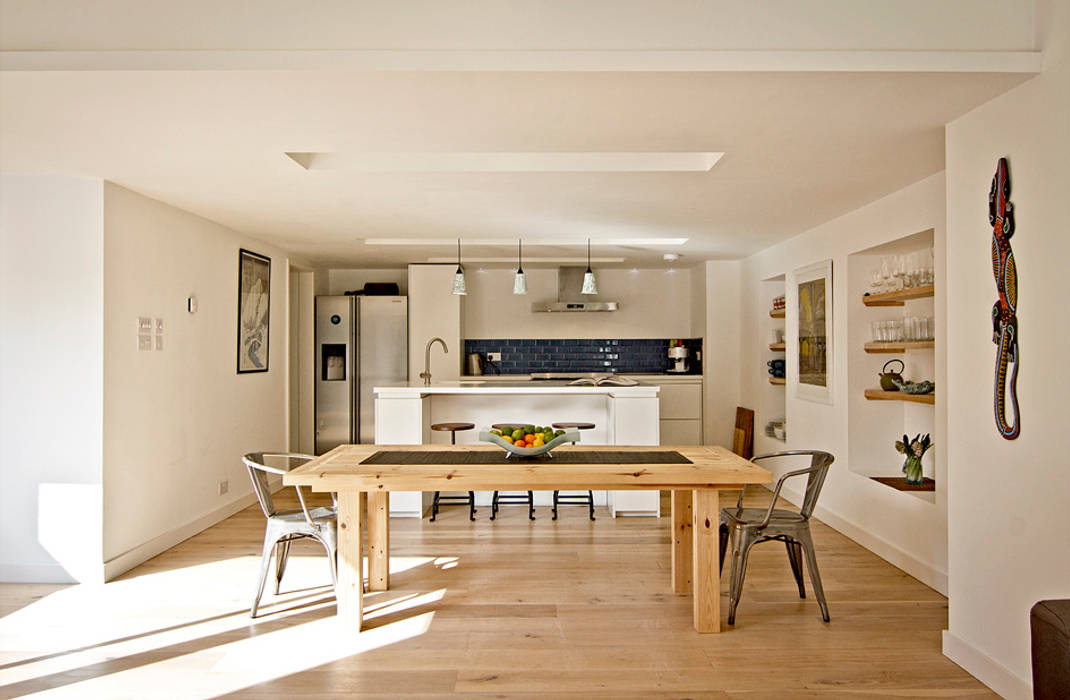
<point x="361" y="343"/>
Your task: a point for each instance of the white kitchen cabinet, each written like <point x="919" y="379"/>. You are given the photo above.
<point x="434" y="312"/>
<point x="681" y="432"/>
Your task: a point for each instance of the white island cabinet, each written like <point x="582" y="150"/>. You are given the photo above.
<point x="622" y="416"/>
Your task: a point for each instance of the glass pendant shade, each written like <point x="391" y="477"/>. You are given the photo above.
<point x="589" y="285"/>
<point x="459" y="286"/>
<point x="520" y="282"/>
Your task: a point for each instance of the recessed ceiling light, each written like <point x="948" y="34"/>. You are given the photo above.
<point x="670" y="257"/>
<point x="511" y="162"/>
<point x="653" y="242"/>
<point x="529" y="259"/>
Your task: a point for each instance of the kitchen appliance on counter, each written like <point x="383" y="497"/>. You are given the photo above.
<point x="475" y="364"/>
<point x="347" y="369"/>
<point x="679" y="355"/>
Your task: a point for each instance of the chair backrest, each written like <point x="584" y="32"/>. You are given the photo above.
<point x="259" y="470"/>
<point x="815" y="475"/>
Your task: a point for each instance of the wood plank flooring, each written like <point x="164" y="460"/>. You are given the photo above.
<point x="510" y="608"/>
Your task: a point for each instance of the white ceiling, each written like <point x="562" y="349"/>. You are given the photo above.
<point x="807" y="135"/>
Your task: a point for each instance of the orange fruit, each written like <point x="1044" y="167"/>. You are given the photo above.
<point x="521" y="443"/>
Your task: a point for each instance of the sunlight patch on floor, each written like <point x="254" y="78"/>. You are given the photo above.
<point x="195" y="616"/>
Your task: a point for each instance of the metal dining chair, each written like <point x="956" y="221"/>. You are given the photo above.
<point x="285" y="526"/>
<point x="742" y="528"/>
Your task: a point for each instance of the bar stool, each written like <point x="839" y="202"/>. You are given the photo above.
<point x="507" y="498"/>
<point x="574" y="499"/>
<point x="440" y="500"/>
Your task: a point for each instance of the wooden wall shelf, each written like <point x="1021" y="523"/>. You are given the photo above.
<point x="777" y="380"/>
<point x="777" y="313"/>
<point x="899" y="347"/>
<point x="778" y="347"/>
<point x="899" y="483"/>
<point x="879" y="395"/>
<point x="897" y="298"/>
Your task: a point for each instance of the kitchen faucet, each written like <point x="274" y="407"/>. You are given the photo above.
<point x="426" y="374"/>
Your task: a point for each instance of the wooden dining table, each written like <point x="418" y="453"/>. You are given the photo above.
<point x="364" y="475"/>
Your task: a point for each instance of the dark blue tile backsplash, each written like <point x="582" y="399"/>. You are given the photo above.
<point x="633" y="356"/>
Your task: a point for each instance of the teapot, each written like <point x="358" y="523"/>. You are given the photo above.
<point x="889" y="379"/>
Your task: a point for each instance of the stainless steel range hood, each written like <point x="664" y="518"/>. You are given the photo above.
<point x="569" y="284"/>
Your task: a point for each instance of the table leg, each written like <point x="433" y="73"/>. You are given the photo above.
<point x="706" y="577"/>
<point x="378" y="540"/>
<point x="350" y="588"/>
<point x="682" y="541"/>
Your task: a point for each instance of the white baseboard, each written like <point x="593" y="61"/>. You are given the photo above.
<point x="34" y="573"/>
<point x="927" y="574"/>
<point x="986" y="669"/>
<point x="143" y="552"/>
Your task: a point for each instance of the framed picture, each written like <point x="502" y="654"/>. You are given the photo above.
<point x="254" y="306"/>
<point x="814" y="297"/>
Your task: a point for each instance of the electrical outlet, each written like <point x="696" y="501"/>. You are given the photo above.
<point x="494" y="356"/>
<point x="224" y="486"/>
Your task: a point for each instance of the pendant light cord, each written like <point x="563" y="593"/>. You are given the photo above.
<point x="588" y="255"/>
<point x="520" y="255"/>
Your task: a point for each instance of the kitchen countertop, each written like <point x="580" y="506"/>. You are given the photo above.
<point x="481" y="386"/>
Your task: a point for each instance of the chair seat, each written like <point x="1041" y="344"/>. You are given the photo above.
<point x="754" y="516"/>
<point x="324" y="514"/>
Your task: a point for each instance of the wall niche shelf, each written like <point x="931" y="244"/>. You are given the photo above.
<point x="876" y="348"/>
<point x="899" y="483"/>
<point x="776" y="313"/>
<point x="898" y="298"/>
<point x="777" y="347"/>
<point x="879" y="395"/>
<point x="777" y="380"/>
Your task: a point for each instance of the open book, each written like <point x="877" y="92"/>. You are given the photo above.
<point x="604" y="380"/>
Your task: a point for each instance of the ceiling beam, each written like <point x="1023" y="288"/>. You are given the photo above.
<point x="528" y="61"/>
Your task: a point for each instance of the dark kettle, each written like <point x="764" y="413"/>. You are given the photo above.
<point x="888" y="379"/>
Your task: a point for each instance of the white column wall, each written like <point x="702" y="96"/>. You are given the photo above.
<point x="1008" y="513"/>
<point x="51" y="369"/>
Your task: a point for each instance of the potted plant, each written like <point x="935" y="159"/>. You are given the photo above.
<point x="914" y="450"/>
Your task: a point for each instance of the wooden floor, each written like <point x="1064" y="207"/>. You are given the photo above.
<point x="510" y="608"/>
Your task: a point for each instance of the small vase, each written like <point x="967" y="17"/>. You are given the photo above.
<point x="912" y="468"/>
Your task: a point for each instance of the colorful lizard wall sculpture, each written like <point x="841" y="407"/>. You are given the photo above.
<point x="1004" y="318"/>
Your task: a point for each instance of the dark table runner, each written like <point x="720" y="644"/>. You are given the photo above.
<point x="444" y="457"/>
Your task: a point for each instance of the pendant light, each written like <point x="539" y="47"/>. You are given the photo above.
<point x="589" y="285"/>
<point x="520" y="283"/>
<point x="459" y="287"/>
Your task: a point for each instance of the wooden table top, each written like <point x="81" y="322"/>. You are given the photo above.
<point x="341" y="470"/>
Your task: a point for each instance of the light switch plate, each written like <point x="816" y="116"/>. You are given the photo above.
<point x="144" y="324"/>
<point x="159" y="325"/>
<point x="144" y="342"/>
<point x="159" y="342"/>
<point x="494" y="356"/>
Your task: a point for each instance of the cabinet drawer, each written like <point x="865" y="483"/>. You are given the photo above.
<point x="680" y="401"/>
<point x="681" y="432"/>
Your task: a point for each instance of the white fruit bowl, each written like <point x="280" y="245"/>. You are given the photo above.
<point x="570" y="436"/>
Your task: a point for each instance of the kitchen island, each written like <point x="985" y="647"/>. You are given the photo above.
<point x="404" y="413"/>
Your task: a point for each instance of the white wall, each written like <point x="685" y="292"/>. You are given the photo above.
<point x="176" y="422"/>
<point x="720" y="349"/>
<point x="907" y="531"/>
<point x="340" y="281"/>
<point x="51" y="325"/>
<point x="1008" y="508"/>
<point x="654" y="304"/>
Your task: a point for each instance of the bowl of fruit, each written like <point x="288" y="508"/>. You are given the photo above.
<point x="529" y="440"/>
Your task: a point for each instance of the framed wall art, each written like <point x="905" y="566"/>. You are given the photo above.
<point x="814" y="361"/>
<point x="254" y="306"/>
